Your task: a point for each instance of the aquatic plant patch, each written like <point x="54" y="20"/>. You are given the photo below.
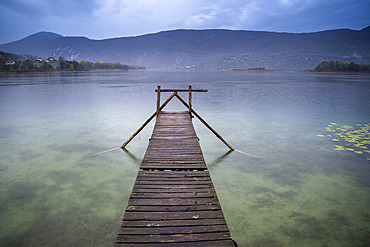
<point x="349" y="138"/>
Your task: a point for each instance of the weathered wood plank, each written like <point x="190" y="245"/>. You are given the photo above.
<point x="141" y="195"/>
<point x="196" y="237"/>
<point x="159" y="179"/>
<point x="165" y="182"/>
<point x="190" y="187"/>
<point x="173" y="208"/>
<point x="174" y="189"/>
<point x="173" y="223"/>
<point x="222" y="243"/>
<point x="172" y="230"/>
<point x="173" y="174"/>
<point x="173" y="179"/>
<point x="173" y="215"/>
<point x="187" y="173"/>
<point x="159" y="152"/>
<point x="174" y="162"/>
<point x="173" y="168"/>
<point x="175" y="158"/>
<point x="173" y="202"/>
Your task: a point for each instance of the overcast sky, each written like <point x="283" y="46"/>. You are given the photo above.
<point x="100" y="19"/>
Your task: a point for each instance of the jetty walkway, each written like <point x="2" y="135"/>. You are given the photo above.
<point x="173" y="201"/>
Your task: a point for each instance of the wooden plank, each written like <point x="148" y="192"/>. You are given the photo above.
<point x="172" y="230"/>
<point x="172" y="202"/>
<point x="173" y="223"/>
<point x="175" y="164"/>
<point x="173" y="208"/>
<point x="174" y="173"/>
<point x="172" y="190"/>
<point x="222" y="243"/>
<point x="173" y="215"/>
<point x="156" y="179"/>
<point x="166" y="141"/>
<point x="173" y="151"/>
<point x="196" y="237"/>
<point x="184" y="144"/>
<point x="159" y="178"/>
<point x="152" y="155"/>
<point x="174" y="186"/>
<point x="175" y="155"/>
<point x="142" y="195"/>
<point x="187" y="180"/>
<point x="172" y="162"/>
<point x="172" y="168"/>
<point x="199" y="188"/>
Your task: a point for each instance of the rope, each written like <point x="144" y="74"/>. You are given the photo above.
<point x="246" y="154"/>
<point x="106" y="151"/>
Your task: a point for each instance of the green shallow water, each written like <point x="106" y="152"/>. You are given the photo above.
<point x="299" y="192"/>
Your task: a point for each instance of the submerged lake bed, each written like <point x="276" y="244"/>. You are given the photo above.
<point x="298" y="192"/>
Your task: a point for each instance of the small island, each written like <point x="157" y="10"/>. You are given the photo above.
<point x="259" y="69"/>
<point x="10" y="62"/>
<point x="341" y="67"/>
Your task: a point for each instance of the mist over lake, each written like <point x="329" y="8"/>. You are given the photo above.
<point x="298" y="192"/>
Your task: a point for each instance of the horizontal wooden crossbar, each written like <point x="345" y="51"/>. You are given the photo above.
<point x="183" y="90"/>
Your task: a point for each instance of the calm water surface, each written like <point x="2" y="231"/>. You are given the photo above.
<point x="299" y="192"/>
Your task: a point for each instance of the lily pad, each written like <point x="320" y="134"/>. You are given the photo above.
<point x="356" y="138"/>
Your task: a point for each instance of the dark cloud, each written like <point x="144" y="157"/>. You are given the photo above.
<point x="44" y="8"/>
<point x="114" y="18"/>
<point x="20" y="7"/>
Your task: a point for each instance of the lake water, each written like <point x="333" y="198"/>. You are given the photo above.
<point x="298" y="192"/>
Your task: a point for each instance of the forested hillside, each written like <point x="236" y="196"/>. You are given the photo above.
<point x="206" y="49"/>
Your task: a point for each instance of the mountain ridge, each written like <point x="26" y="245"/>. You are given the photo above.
<point x="206" y="49"/>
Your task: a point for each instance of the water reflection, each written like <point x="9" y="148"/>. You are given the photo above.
<point x="135" y="159"/>
<point x="217" y="161"/>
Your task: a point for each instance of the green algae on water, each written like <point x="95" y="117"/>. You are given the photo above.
<point x="355" y="139"/>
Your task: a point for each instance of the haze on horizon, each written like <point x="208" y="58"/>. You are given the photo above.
<point x="101" y="19"/>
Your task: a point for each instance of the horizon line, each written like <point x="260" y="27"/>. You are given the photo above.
<point x="183" y="29"/>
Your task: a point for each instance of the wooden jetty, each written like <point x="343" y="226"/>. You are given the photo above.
<point x="173" y="201"/>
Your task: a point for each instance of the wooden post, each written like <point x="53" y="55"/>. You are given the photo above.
<point x="149" y="119"/>
<point x="190" y="101"/>
<point x="158" y="98"/>
<point x="206" y="124"/>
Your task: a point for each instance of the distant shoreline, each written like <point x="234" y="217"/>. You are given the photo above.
<point x="336" y="72"/>
<point x="261" y="69"/>
<point x="66" y="71"/>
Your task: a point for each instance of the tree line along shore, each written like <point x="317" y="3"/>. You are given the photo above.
<point x="341" y="67"/>
<point x="25" y="63"/>
<point x="326" y="67"/>
<point x="31" y="64"/>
